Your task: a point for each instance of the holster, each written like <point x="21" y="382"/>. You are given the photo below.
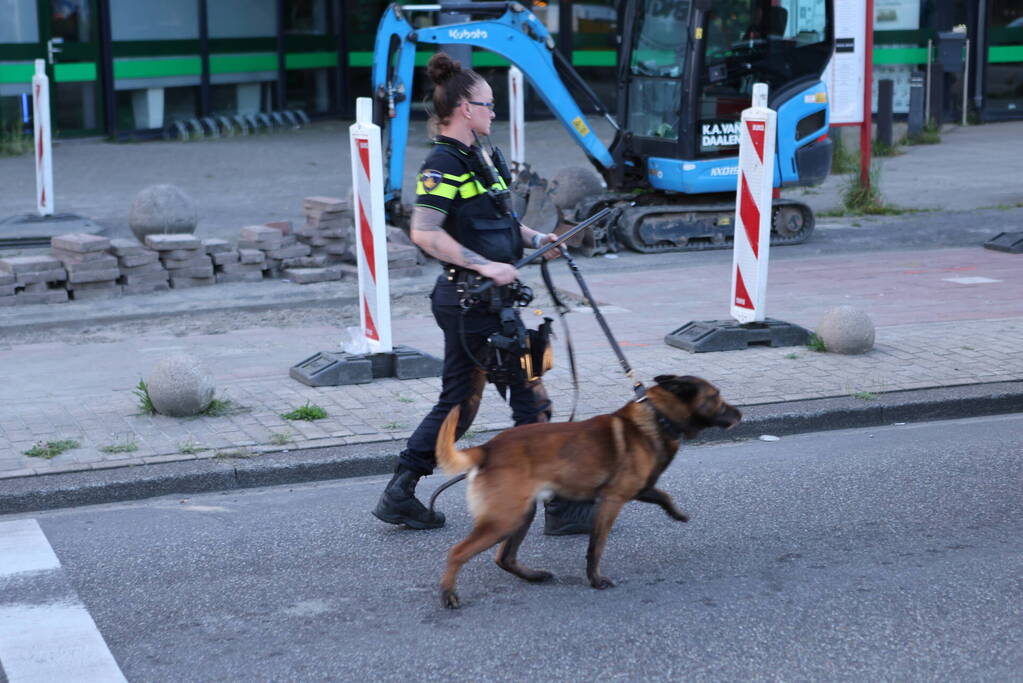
<point x="516" y="355"/>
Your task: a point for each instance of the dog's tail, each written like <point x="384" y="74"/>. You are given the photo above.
<point x="451" y="459"/>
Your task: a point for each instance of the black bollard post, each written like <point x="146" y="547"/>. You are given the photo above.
<point x="915" y="119"/>
<point x="885" y="99"/>
<point x="937" y="100"/>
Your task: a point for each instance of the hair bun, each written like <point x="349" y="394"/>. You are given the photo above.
<point x="441" y="68"/>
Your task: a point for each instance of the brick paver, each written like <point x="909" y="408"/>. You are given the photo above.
<point x="972" y="334"/>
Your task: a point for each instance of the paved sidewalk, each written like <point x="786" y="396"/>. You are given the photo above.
<point x="933" y="331"/>
<point x="945" y="318"/>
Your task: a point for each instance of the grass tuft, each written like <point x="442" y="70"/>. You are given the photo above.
<point x="865" y="395"/>
<point x="816" y="344"/>
<point x="880" y="149"/>
<point x="51" y="449"/>
<point x="125" y="447"/>
<point x="141" y="392"/>
<point x="843" y="159"/>
<point x="281" y="438"/>
<point x="191" y="447"/>
<point x="930" y="135"/>
<point x="220" y="407"/>
<point x="310" y="411"/>
<point x="13" y="141"/>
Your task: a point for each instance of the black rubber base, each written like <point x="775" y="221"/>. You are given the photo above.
<point x="1011" y="242"/>
<point x="729" y="335"/>
<point x="328" y="369"/>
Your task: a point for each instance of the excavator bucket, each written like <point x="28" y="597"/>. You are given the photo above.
<point x="532" y="201"/>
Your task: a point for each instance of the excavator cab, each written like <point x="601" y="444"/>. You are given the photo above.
<point x="687" y="70"/>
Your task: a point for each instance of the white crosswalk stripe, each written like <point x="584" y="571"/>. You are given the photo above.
<point x="50" y="638"/>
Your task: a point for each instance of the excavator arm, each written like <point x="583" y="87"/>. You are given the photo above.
<point x="513" y="32"/>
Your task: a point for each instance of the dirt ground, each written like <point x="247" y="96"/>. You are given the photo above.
<point x="177" y="324"/>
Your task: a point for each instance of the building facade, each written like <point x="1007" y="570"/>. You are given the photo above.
<point x="131" y="68"/>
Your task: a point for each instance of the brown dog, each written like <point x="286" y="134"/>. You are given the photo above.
<point x="609" y="458"/>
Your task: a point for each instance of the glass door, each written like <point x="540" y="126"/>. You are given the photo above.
<point x="69" y="34"/>
<point x="1005" y="60"/>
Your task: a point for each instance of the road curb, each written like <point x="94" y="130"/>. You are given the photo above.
<point x="110" y="485"/>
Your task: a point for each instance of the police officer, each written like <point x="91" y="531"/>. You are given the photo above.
<point x="456" y="221"/>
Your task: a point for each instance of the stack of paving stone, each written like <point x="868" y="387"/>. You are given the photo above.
<point x="37" y="279"/>
<point x="276" y="246"/>
<point x="184" y="258"/>
<point x="92" y="273"/>
<point x="235" y="265"/>
<point x="141" y="270"/>
<point x="329" y="229"/>
<point x="6" y="289"/>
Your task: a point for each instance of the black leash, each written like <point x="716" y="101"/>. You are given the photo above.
<point x="637" y="386"/>
<point x="562" y="310"/>
<point x="450" y="482"/>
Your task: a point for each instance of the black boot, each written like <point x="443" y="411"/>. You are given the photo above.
<point x="563" y="517"/>
<point x="398" y="504"/>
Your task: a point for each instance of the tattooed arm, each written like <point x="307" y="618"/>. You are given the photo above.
<point x="428" y="235"/>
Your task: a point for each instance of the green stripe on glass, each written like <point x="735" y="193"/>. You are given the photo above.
<point x="16" y="73"/>
<point x="1000" y="54"/>
<point x="310" y="60"/>
<point x="594" y="58"/>
<point x="72" y="72"/>
<point x="900" y="55"/>
<point x="230" y="64"/>
<point x="157" y="68"/>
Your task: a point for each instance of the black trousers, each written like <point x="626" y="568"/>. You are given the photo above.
<point x="461" y="379"/>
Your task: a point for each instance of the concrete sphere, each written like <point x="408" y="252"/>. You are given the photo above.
<point x="162" y="209"/>
<point x="572" y="184"/>
<point x="848" y="330"/>
<point x="180" y="386"/>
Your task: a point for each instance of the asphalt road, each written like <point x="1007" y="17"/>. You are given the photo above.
<point x="873" y="554"/>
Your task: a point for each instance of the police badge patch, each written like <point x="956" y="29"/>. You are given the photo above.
<point x="430" y="179"/>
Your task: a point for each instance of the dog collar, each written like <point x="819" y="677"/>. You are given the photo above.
<point x="665" y="424"/>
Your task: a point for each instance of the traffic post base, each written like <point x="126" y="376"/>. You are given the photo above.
<point x="729" y="335"/>
<point x="331" y="369"/>
<point x="1009" y="242"/>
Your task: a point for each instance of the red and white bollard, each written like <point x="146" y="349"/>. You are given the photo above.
<point x="370" y="228"/>
<point x="516" y="119"/>
<point x="752" y="242"/>
<point x="42" y="148"/>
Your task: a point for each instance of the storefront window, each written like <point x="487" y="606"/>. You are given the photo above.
<point x="71" y="20"/>
<point x="20" y="23"/>
<point x="305" y="16"/>
<point x="154" y="19"/>
<point x="1005" y="52"/>
<point x="309" y="90"/>
<point x="242" y="18"/>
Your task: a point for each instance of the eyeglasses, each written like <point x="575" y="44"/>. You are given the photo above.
<point x="488" y="105"/>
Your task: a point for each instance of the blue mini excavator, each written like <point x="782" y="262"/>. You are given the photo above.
<point x="686" y="70"/>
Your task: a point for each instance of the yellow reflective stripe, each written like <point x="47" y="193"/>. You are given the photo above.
<point x="470" y="190"/>
<point x="457" y="178"/>
<point x="444" y="190"/>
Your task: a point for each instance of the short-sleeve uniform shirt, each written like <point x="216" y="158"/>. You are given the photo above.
<point x="451" y="182"/>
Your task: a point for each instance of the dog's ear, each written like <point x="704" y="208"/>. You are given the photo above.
<point x="686" y="387"/>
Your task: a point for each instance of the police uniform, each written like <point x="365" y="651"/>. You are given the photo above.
<point x="451" y="182"/>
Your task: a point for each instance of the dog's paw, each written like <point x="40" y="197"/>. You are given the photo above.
<point x="680" y="516"/>
<point x="601" y="582"/>
<point x="539" y="576"/>
<point x="450" y="600"/>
